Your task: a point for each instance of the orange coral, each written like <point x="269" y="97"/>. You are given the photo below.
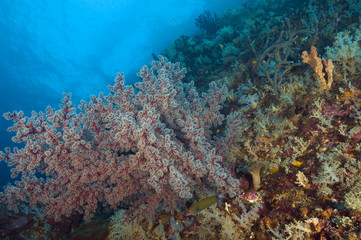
<point x="317" y="65"/>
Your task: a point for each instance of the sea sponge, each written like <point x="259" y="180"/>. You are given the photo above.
<point x="255" y="171"/>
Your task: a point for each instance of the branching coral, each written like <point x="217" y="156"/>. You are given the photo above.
<point x="318" y="65"/>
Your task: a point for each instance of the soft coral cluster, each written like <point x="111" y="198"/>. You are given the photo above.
<point x="151" y="147"/>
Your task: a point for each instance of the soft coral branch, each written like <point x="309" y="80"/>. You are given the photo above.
<point x="153" y="144"/>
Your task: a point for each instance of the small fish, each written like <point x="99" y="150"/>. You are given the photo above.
<point x="203" y="203"/>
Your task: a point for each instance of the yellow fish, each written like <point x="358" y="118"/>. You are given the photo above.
<point x="202" y="204"/>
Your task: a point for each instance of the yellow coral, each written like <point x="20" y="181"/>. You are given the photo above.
<point x="297" y="163"/>
<point x="318" y="64"/>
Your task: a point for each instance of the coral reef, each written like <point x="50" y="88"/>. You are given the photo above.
<point x="276" y="130"/>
